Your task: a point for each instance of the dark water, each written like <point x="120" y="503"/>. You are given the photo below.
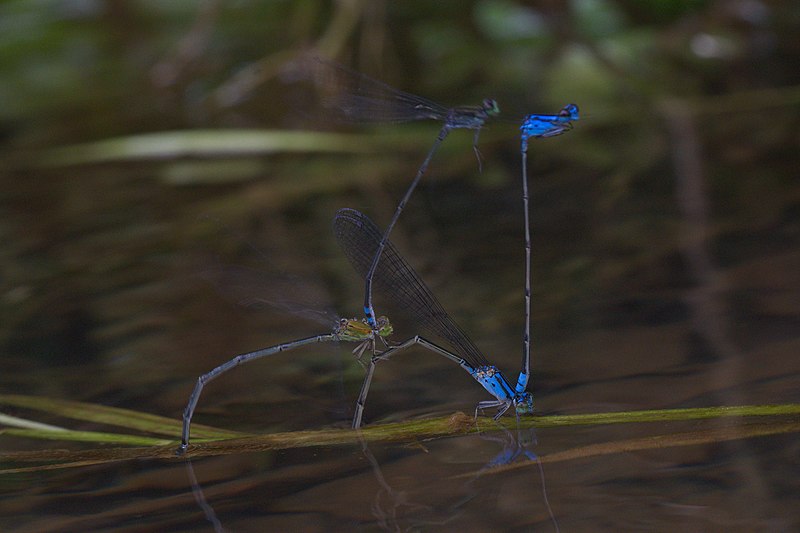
<point x="437" y="485"/>
<point x="665" y="275"/>
<point x="109" y="308"/>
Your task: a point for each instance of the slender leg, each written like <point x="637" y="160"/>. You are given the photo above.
<point x="501" y="405"/>
<point x="233" y="363"/>
<point x="362" y="396"/>
<point x="368" y="309"/>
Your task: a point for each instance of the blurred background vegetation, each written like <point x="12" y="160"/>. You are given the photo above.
<point x="141" y="138"/>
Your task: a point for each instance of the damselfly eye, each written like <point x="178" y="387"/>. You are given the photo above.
<point x="570" y="111"/>
<point x="490" y="106"/>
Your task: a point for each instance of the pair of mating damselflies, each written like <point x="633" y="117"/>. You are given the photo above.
<point x="363" y="99"/>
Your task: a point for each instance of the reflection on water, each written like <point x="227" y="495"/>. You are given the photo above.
<point x="444" y="484"/>
<point x="400" y="501"/>
<point x="197" y="490"/>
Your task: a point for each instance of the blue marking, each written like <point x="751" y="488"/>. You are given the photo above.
<point x="493" y="381"/>
<point x="370" y="317"/>
<point x="537" y="126"/>
<point x="522" y="383"/>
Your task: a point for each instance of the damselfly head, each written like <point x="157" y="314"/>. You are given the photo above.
<point x="385" y="327"/>
<point x="570" y="111"/>
<point x="523" y="403"/>
<point x="490" y="107"/>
